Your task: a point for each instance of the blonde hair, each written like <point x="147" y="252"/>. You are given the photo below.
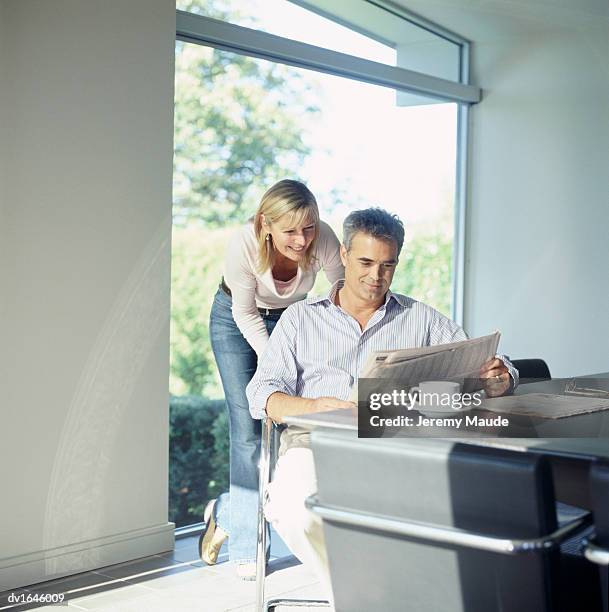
<point x="287" y="197"/>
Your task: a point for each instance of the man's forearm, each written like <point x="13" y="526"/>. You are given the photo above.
<point x="280" y="405"/>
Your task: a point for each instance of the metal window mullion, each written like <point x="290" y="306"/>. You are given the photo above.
<point x="460" y="209"/>
<point x="461" y="195"/>
<point x="204" y="30"/>
<point x="421" y="22"/>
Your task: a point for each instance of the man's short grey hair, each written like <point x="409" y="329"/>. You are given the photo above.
<point x="375" y="222"/>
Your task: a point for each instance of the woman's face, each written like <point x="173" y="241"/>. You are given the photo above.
<point x="289" y="239"/>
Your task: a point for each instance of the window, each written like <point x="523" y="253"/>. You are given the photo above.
<point x="360" y="131"/>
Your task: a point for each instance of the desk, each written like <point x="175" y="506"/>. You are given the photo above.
<point x="570" y="457"/>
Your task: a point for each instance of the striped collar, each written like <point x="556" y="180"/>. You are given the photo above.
<point x="330" y="297"/>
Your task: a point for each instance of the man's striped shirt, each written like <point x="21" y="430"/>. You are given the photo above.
<point x="318" y="350"/>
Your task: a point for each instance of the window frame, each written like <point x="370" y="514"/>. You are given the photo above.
<point x="199" y="29"/>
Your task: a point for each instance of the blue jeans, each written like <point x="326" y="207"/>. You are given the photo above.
<point x="237" y="362"/>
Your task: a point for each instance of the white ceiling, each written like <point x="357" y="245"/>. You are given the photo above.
<point x="480" y="20"/>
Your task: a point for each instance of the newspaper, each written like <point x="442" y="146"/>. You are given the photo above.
<point x="545" y="405"/>
<point x="457" y="361"/>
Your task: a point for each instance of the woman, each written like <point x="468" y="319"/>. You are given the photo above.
<point x="271" y="262"/>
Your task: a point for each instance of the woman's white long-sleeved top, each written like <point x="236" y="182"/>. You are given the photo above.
<point x="251" y="290"/>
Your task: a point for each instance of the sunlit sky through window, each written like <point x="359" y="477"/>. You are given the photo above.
<point x="364" y="147"/>
<point x="289" y="20"/>
<point x="363" y="144"/>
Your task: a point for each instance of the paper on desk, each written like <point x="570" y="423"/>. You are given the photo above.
<point x="459" y="361"/>
<point x="545" y="405"/>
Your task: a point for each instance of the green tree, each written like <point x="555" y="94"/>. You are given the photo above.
<point x="197" y="259"/>
<point x="238" y="127"/>
<point x="424" y="272"/>
<point x="425" y="268"/>
<point x="198" y="456"/>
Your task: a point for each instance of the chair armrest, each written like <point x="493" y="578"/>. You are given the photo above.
<point x="445" y="535"/>
<point x="594" y="553"/>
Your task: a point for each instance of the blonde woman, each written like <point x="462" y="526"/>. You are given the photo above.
<point x="271" y="262"/>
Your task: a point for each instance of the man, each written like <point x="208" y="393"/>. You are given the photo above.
<point x="316" y="352"/>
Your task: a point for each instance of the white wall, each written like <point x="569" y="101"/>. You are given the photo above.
<point x="538" y="221"/>
<point x="87" y="122"/>
<point x="540" y="192"/>
<point x="3" y="202"/>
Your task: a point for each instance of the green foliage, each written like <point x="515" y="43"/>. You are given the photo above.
<point x="425" y="269"/>
<point x="218" y="9"/>
<point x="238" y="128"/>
<point x="239" y="125"/>
<point x="197" y="260"/>
<point x="424" y="272"/>
<point x="199" y="441"/>
<point x="198" y="456"/>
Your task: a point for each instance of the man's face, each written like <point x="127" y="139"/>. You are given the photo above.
<point x="369" y="267"/>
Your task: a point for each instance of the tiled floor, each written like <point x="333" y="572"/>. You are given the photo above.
<point x="173" y="582"/>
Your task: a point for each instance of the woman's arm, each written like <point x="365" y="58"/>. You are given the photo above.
<point x="240" y="276"/>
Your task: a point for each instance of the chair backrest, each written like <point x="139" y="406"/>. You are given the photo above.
<point x="532" y="370"/>
<point x="599" y="492"/>
<point x="485" y="491"/>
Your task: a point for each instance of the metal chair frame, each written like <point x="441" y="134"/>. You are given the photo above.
<point x="269" y="445"/>
<point x="446" y="535"/>
<point x="596" y="546"/>
<point x="595" y="553"/>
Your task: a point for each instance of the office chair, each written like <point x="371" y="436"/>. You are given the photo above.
<point x="597" y="547"/>
<point x="269" y="447"/>
<point x="425" y="524"/>
<point x="532" y="370"/>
